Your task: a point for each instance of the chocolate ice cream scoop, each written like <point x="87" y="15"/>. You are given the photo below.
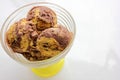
<point x="20" y="35"/>
<point x="60" y="34"/>
<point x="43" y="17"/>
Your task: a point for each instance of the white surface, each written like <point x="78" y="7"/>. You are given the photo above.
<point x="93" y="55"/>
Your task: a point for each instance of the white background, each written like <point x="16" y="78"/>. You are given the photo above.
<point x="95" y="52"/>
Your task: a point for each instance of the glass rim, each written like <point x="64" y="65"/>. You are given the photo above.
<point x="50" y="60"/>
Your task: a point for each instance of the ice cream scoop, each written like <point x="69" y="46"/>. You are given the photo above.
<point x="48" y="47"/>
<point x="60" y="34"/>
<point x="21" y="35"/>
<point x="43" y="17"/>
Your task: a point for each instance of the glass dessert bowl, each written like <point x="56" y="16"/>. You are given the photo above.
<point x="47" y="67"/>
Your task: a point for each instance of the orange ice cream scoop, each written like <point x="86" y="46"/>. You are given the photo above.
<point x="48" y="47"/>
<point x="43" y="17"/>
<point x="20" y="35"/>
<point x="60" y="34"/>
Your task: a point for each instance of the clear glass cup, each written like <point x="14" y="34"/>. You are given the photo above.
<point x="45" y="68"/>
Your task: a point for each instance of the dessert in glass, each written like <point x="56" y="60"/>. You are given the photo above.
<point x="39" y="35"/>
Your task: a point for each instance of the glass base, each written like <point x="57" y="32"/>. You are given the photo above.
<point x="50" y="70"/>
